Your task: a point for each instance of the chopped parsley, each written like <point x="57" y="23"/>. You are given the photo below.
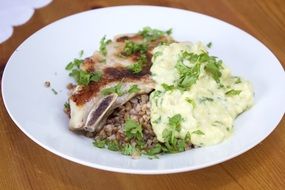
<point x="81" y="53"/>
<point x="233" y="92"/>
<point x="209" y="45"/>
<point x="66" y="105"/>
<point x="133" y="129"/>
<point x="167" y="87"/>
<point x="213" y="68"/>
<point x="151" y="34"/>
<point x="206" y="99"/>
<point x="174" y="126"/>
<point x="132" y="48"/>
<point x="138" y="65"/>
<point x="54" y="91"/>
<point x="134" y="89"/>
<point x="156" y="54"/>
<point x="190" y="101"/>
<point x="84" y="78"/>
<point x="103" y="44"/>
<point x="99" y="143"/>
<point x="75" y="63"/>
<point x="80" y="76"/>
<point x="115" y="89"/>
<point x="198" y="132"/>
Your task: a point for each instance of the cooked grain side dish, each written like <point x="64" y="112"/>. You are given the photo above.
<point x="147" y="94"/>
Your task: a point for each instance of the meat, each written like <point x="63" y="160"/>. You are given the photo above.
<point x="91" y="105"/>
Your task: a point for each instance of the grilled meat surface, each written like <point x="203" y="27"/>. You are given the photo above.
<point x="89" y="105"/>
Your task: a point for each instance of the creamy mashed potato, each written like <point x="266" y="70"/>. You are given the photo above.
<point x="208" y="107"/>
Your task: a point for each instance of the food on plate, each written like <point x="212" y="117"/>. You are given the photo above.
<point x="145" y="93"/>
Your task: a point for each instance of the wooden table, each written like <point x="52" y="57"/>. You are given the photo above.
<point x="25" y="165"/>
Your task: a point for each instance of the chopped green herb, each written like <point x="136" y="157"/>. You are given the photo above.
<point x="209" y="45"/>
<point x="156" y="149"/>
<point x="99" y="143"/>
<point x="156" y="54"/>
<point x="158" y="120"/>
<point x="54" y="91"/>
<point x="151" y="34"/>
<point x="81" y="53"/>
<point x="115" y="89"/>
<point x="167" y="87"/>
<point x="138" y="66"/>
<point x="204" y="99"/>
<point x="113" y="145"/>
<point x="190" y="101"/>
<point x="66" y="105"/>
<point x="238" y="80"/>
<point x="128" y="149"/>
<point x="233" y="92"/>
<point x="103" y="44"/>
<point x="198" y="132"/>
<point x="132" y="48"/>
<point x="75" y="63"/>
<point x="135" y="68"/>
<point x="175" y="121"/>
<point x="83" y="77"/>
<point x="134" y="89"/>
<point x="214" y="69"/>
<point x="133" y="129"/>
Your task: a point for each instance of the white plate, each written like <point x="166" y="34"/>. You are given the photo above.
<point x="43" y="56"/>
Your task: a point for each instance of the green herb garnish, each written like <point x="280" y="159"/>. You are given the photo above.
<point x="209" y="45"/>
<point x="84" y="78"/>
<point x="138" y="65"/>
<point x="134" y="89"/>
<point x="103" y="44"/>
<point x="198" y="132"/>
<point x="99" y="143"/>
<point x="167" y="87"/>
<point x="115" y="89"/>
<point x="132" y="48"/>
<point x="54" y="91"/>
<point x="150" y="34"/>
<point x="190" y="101"/>
<point x="233" y="92"/>
<point x="156" y="54"/>
<point x="133" y="129"/>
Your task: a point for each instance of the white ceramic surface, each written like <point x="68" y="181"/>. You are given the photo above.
<point x="15" y="13"/>
<point x="43" y="56"/>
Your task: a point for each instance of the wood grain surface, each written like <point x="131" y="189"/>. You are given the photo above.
<point x="25" y="165"/>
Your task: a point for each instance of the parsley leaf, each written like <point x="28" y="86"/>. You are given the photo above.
<point x="167" y="87"/>
<point x="103" y="43"/>
<point x="156" y="54"/>
<point x="209" y="45"/>
<point x="214" y="69"/>
<point x="128" y="149"/>
<point x="113" y="145"/>
<point x="81" y="53"/>
<point x="198" y="132"/>
<point x="83" y="77"/>
<point x="133" y="129"/>
<point x="151" y="34"/>
<point x="75" y="63"/>
<point x="115" y="89"/>
<point x="134" y="89"/>
<point x="138" y="66"/>
<point x="132" y="48"/>
<point x="190" y="101"/>
<point x="233" y="92"/>
<point x="156" y="149"/>
<point x="99" y="143"/>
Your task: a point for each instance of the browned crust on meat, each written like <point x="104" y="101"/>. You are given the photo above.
<point x="112" y="75"/>
<point x="118" y="73"/>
